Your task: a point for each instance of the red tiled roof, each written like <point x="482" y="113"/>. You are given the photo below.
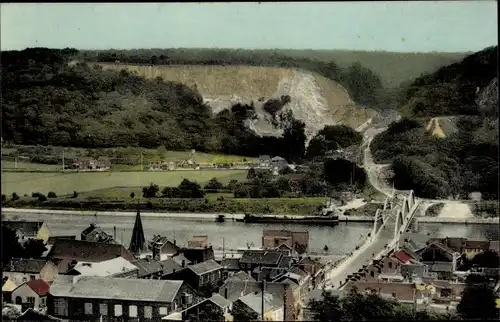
<point x="39" y="286"/>
<point x="402" y="256"/>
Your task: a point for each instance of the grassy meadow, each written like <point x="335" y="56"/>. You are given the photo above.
<point x="65" y="183"/>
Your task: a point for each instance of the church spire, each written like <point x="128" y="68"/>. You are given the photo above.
<point x="138" y="241"/>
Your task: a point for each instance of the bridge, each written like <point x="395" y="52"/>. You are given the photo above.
<point x="387" y="233"/>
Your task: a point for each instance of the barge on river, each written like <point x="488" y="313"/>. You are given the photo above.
<point x="329" y="220"/>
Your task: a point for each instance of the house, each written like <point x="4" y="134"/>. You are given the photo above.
<point x="92" y="298"/>
<point x="29" y="229"/>
<point x="198" y="254"/>
<point x="215" y="302"/>
<point x="95" y="234"/>
<point x="198" y="242"/>
<point x="32" y="315"/>
<point x="66" y="253"/>
<point x="233" y="289"/>
<point x="242" y="276"/>
<point x="263" y="161"/>
<point x="440" y="259"/>
<point x="252" y="259"/>
<point x="398" y="291"/>
<point x="203" y="274"/>
<point x="111" y="267"/>
<point x="161" y="247"/>
<point x="90" y="164"/>
<point x="314" y="268"/>
<point x="21" y="270"/>
<point x="474" y="247"/>
<point x="154" y="269"/>
<point x="495" y="246"/>
<point x="299" y="277"/>
<point x="231" y="265"/>
<point x="181" y="260"/>
<point x="278" y="162"/>
<point x="31" y="294"/>
<point x="52" y="239"/>
<point x="273" y="306"/>
<point x="296" y="240"/>
<point x="7" y="287"/>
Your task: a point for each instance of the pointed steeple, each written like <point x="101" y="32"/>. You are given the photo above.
<point x="138" y="241"/>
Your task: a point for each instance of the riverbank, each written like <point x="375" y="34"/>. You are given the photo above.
<point x="212" y="203"/>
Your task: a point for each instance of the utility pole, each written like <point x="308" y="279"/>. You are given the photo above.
<point x="262" y="286"/>
<point x="63" y="159"/>
<point x="284" y="301"/>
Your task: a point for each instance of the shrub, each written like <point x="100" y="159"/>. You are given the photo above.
<point x="75" y="195"/>
<point x="4" y="198"/>
<point x="150" y="191"/>
<point x="35" y="194"/>
<point x="42" y="197"/>
<point x="52" y="194"/>
<point x="132" y="195"/>
<point x="15" y="196"/>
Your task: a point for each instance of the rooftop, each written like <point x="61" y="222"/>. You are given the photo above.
<point x="147" y="290"/>
<point x="23" y="265"/>
<point x="219" y="300"/>
<point x="254" y="301"/>
<point x="81" y="250"/>
<point x="261" y="257"/>
<point x="104" y="268"/>
<point x="39" y="286"/>
<point x="26" y="227"/>
<point x="151" y="266"/>
<point x="205" y="267"/>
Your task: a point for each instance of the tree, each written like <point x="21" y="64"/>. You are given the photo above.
<point x="132" y="195"/>
<point x="333" y="137"/>
<point x="15" y="196"/>
<point x="251" y="174"/>
<point x="241" y="191"/>
<point x="52" y="194"/>
<point x="33" y="248"/>
<point x="487" y="258"/>
<point x="478" y="302"/>
<point x="241" y="313"/>
<point x="74" y="195"/>
<point x="294" y="139"/>
<point x="190" y="189"/>
<point x="42" y="197"/>
<point x="151" y="191"/>
<point x="4" y="198"/>
<point x="329" y="308"/>
<point x="209" y="313"/>
<point x="214" y="184"/>
<point x="10" y="245"/>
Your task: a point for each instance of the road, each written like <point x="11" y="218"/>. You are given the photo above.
<point x="360" y="257"/>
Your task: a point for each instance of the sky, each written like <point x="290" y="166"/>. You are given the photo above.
<point x="413" y="26"/>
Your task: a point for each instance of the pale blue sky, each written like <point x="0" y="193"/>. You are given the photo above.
<point x="453" y="26"/>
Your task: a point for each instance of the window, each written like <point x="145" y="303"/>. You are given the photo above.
<point x="103" y="309"/>
<point x="25" y="279"/>
<point x="219" y="273"/>
<point x="88" y="309"/>
<point x="175" y="304"/>
<point x="118" y="310"/>
<point x="148" y="312"/>
<point x="61" y="307"/>
<point x="390" y="265"/>
<point x="33" y="277"/>
<point x="132" y="311"/>
<point x="163" y="310"/>
<point x="372" y="274"/>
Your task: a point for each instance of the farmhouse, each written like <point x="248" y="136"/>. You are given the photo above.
<point x="90" y="164"/>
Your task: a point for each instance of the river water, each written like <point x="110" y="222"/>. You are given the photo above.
<point x="340" y="239"/>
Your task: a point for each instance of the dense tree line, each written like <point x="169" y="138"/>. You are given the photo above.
<point x="477" y="303"/>
<point x="47" y="101"/>
<point x="332" y="137"/>
<point x="452" y="90"/>
<point x="11" y="248"/>
<point x="463" y="162"/>
<point x="466" y="160"/>
<point x="363" y="84"/>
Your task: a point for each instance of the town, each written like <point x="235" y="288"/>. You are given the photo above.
<point x="92" y="277"/>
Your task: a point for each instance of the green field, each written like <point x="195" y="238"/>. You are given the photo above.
<point x="11" y="165"/>
<point x="66" y="183"/>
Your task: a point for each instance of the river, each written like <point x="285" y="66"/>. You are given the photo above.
<point x="340" y="239"/>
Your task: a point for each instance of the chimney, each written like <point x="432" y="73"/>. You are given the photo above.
<point x="175" y="243"/>
<point x="183" y="263"/>
<point x="225" y="293"/>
